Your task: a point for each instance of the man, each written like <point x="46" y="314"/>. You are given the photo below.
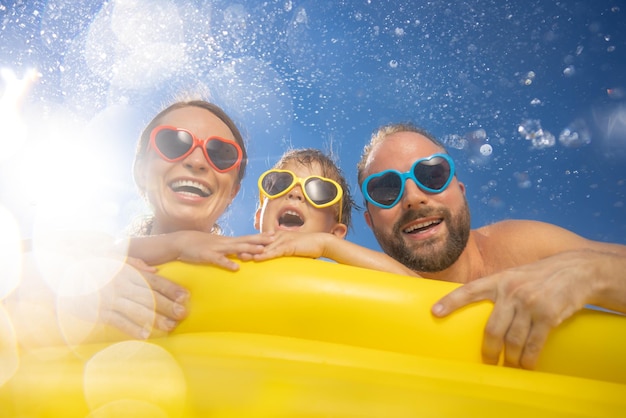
<point x="537" y="274"/>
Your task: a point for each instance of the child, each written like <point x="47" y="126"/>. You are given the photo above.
<point x="306" y="204"/>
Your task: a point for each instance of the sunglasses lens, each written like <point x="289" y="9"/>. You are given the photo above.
<point x="275" y="182"/>
<point x="320" y="191"/>
<point x="433" y="173"/>
<point x="384" y="189"/>
<point x="223" y="154"/>
<point x="172" y="144"/>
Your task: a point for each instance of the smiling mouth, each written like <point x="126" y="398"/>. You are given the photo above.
<point x="290" y="219"/>
<point x="190" y="187"/>
<point x="414" y="229"/>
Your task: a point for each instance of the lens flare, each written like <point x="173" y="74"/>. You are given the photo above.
<point x="10" y="248"/>
<point x="126" y="408"/>
<point x="14" y="130"/>
<point x="135" y="371"/>
<point x="9" y="356"/>
<point x="88" y="310"/>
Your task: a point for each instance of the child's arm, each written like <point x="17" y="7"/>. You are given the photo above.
<point x="327" y="245"/>
<point x="197" y="247"/>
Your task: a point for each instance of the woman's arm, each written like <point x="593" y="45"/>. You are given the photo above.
<point x="195" y="246"/>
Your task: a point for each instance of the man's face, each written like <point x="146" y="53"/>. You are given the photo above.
<point x="425" y="231"/>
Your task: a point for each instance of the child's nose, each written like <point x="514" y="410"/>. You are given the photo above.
<point x="295" y="193"/>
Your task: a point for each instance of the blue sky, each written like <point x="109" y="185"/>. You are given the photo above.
<point x="325" y="74"/>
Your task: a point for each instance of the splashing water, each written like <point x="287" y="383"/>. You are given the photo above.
<point x="531" y="130"/>
<point x="575" y="135"/>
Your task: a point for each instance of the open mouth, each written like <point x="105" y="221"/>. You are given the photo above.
<point x="190" y="187"/>
<point x="290" y="219"/>
<point x="420" y="227"/>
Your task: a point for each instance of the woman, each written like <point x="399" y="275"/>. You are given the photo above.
<point x="189" y="164"/>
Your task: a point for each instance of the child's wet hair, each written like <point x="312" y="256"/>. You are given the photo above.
<point x="308" y="157"/>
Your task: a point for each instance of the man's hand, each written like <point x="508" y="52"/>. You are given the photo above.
<point x="529" y="301"/>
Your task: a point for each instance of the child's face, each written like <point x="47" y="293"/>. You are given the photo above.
<point x="292" y="212"/>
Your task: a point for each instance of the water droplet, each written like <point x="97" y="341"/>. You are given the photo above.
<point x="486" y="150"/>
<point x="527" y="79"/>
<point x="455" y="141"/>
<point x="616" y="93"/>
<point x="575" y="135"/>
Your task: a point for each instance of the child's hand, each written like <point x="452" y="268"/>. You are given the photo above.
<point x="201" y="247"/>
<point x="301" y="244"/>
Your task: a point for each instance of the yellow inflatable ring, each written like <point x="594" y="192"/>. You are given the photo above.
<point x="323" y="301"/>
<point x="300" y="337"/>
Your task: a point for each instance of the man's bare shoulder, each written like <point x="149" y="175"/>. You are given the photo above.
<point x="511" y="227"/>
<point x="509" y="243"/>
<point x="525" y="240"/>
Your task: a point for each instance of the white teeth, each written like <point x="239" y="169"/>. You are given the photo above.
<point x="191" y="183"/>
<point x="292" y="213"/>
<point x="420" y="226"/>
<point x="290" y="219"/>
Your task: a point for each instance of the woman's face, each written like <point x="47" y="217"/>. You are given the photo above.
<point x="187" y="194"/>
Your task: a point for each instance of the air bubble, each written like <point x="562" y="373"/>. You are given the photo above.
<point x="569" y="71"/>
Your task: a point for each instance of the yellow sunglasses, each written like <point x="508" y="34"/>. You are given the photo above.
<point x="321" y="192"/>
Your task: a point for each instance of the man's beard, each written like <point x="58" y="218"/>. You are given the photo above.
<point x="424" y="257"/>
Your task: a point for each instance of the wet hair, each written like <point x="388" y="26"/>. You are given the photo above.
<point x="308" y="157"/>
<point x="383" y="132"/>
<point x="143" y="226"/>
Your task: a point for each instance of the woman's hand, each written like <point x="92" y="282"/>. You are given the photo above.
<point x="138" y="301"/>
<point x="135" y="300"/>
